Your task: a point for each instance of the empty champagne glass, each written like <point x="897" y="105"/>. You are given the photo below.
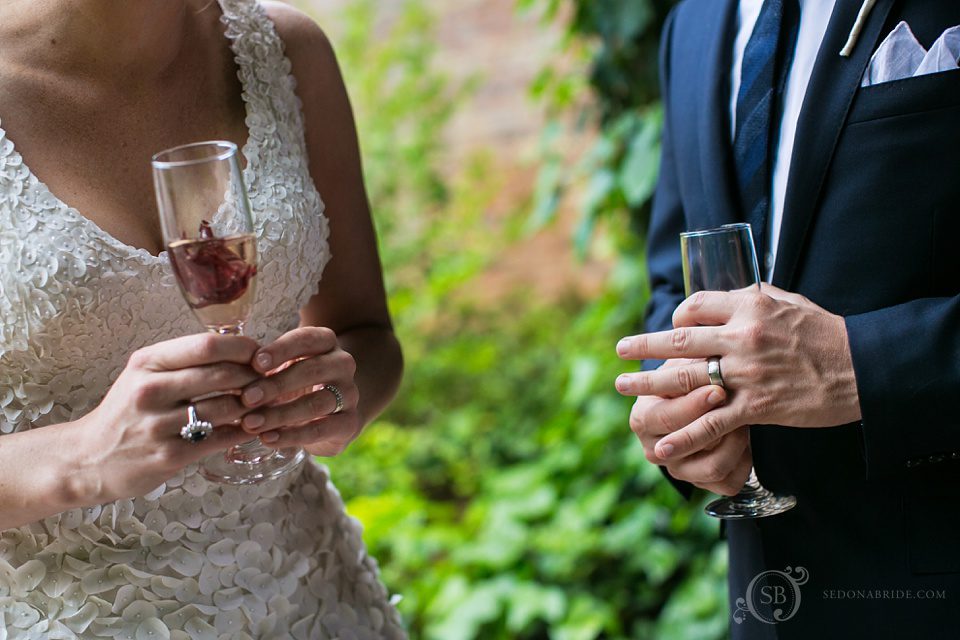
<point x="724" y="259"/>
<point x="208" y="231"/>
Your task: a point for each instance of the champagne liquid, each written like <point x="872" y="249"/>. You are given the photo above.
<point x="216" y="276"/>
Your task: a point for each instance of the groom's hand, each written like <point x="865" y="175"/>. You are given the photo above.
<point x="784" y="360"/>
<point x="723" y="468"/>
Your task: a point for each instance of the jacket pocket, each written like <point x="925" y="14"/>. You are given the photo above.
<point x="907" y="96"/>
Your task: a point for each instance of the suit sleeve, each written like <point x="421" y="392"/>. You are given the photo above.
<point x="907" y="363"/>
<point x="663" y="238"/>
<point x="666" y="220"/>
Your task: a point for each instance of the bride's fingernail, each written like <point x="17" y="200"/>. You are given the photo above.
<point x="253" y="421"/>
<point x="623" y="346"/>
<point x="264" y="361"/>
<point x="253" y="395"/>
<point x="664" y="450"/>
<point x="270" y="436"/>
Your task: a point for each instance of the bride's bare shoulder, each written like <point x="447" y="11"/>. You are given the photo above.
<point x="300" y="33"/>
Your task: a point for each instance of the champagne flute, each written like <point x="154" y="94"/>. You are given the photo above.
<point x="725" y="259"/>
<point x="208" y="231"/>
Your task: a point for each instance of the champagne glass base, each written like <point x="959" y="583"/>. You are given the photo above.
<point x="750" y="504"/>
<point x="251" y="463"/>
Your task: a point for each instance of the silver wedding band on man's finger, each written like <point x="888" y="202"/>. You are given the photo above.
<point x="713" y="371"/>
<point x="196" y="430"/>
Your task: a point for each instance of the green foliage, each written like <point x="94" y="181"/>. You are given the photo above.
<point x="503" y="493"/>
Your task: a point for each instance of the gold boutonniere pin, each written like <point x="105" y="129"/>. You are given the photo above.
<point x="865" y="10"/>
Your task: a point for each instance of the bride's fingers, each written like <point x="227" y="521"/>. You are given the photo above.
<point x="304" y="375"/>
<point x="175" y="387"/>
<point x="303" y="410"/>
<point x="194" y="351"/>
<point x="299" y="343"/>
<point x="325" y="437"/>
<point x="225" y="409"/>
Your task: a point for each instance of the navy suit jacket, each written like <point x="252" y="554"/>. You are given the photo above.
<point x="871" y="231"/>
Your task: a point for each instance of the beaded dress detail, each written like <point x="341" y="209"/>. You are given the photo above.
<point x="191" y="559"/>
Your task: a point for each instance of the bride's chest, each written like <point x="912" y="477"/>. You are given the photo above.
<point x="103" y="170"/>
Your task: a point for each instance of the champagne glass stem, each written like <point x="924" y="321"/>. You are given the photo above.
<point x="725" y="259"/>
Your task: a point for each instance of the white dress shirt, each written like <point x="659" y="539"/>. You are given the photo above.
<point x="814" y="17"/>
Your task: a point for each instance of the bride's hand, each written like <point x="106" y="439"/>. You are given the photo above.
<point x="294" y="404"/>
<point x="131" y="442"/>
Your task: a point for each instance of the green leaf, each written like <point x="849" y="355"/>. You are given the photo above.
<point x="641" y="167"/>
<point x="586" y="620"/>
<point x="531" y="602"/>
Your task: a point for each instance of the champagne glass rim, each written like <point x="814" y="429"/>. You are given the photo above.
<point x="220" y="150"/>
<point x="727" y="228"/>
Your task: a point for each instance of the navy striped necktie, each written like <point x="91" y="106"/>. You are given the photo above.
<point x="768" y="55"/>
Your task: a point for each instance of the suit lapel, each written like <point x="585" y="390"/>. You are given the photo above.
<point x="714" y="119"/>
<point x="833" y="83"/>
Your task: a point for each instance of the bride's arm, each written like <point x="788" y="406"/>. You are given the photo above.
<point x="129" y="444"/>
<point x="351" y="299"/>
<point x="38" y="475"/>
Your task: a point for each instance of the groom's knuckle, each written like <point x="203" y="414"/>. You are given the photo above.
<point x="651" y="455"/>
<point x="712" y="426"/>
<point x="756" y="301"/>
<point x="663" y="419"/>
<point x="713" y="471"/>
<point x="685" y="380"/>
<point x="728" y="487"/>
<point x="636" y="424"/>
<point x="638" y="345"/>
<point x="752" y="334"/>
<point x="680" y="339"/>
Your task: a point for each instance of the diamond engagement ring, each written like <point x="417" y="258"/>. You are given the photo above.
<point x="713" y="371"/>
<point x="336" y="394"/>
<point x="196" y="430"/>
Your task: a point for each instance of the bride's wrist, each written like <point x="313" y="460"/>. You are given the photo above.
<point x="78" y="471"/>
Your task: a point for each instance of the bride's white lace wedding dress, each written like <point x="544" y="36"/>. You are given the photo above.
<point x="190" y="560"/>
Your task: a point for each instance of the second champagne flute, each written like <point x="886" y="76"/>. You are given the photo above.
<point x="724" y="259"/>
<point x="208" y="230"/>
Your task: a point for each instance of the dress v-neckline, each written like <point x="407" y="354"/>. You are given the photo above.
<point x="29" y="178"/>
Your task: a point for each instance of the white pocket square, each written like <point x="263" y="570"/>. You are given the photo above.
<point x="901" y="55"/>
<point x="943" y="55"/>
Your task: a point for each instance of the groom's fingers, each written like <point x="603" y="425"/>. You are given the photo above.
<point x="684" y="342"/>
<point x="667" y="382"/>
<point x="700" y="434"/>
<point x="651" y="417"/>
<point x="715" y="470"/>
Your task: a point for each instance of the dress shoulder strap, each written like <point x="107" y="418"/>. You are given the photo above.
<point x="269" y="89"/>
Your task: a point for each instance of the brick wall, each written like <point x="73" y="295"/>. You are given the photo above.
<point x="491" y="40"/>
